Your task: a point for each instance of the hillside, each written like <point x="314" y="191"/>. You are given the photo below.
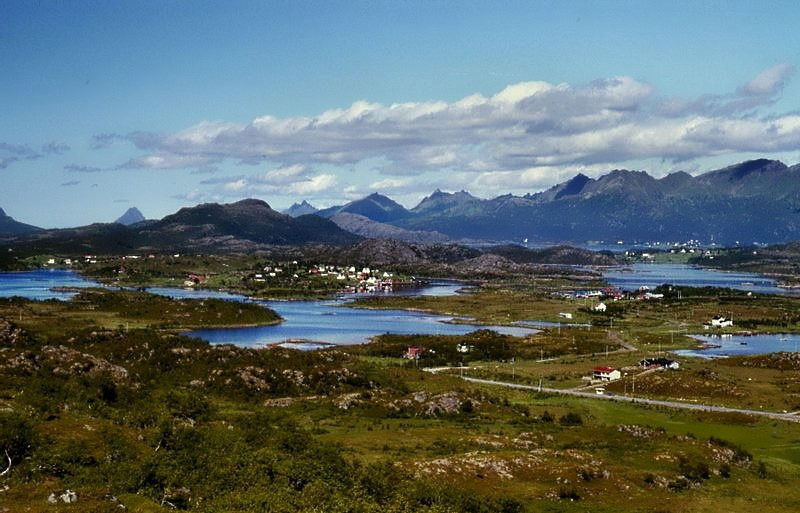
<point x="365" y="227"/>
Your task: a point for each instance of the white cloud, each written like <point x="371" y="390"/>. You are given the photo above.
<point x="295" y="179"/>
<point x="769" y="81"/>
<point x="390" y="183"/>
<point x="526" y="134"/>
<point x="313" y="184"/>
<point x="283" y="175"/>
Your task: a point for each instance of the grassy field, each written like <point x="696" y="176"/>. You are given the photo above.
<point x="100" y="396"/>
<point x="111" y="309"/>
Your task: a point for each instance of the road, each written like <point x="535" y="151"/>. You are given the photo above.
<point x="638" y="400"/>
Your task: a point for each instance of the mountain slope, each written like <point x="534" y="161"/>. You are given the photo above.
<point x="365" y="227"/>
<point x="9" y="226"/>
<point x="375" y="206"/>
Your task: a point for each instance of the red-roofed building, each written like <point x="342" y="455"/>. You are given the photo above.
<point x="414" y="352"/>
<point x="605" y="374"/>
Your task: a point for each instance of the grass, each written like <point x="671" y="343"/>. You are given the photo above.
<point x="235" y="429"/>
<point x="111" y="309"/>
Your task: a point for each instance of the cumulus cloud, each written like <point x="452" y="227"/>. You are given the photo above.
<point x="769" y="81"/>
<point x="312" y="185"/>
<point x="525" y="134"/>
<point x="294" y="179"/>
<point x="389" y="184"/>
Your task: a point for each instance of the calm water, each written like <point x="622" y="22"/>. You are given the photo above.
<point x="38" y="284"/>
<point x="319" y="321"/>
<point x="332" y="322"/>
<point x="653" y="275"/>
<point x="736" y="345"/>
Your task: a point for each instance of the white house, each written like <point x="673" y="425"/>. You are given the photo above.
<point x="660" y="363"/>
<point x="600" y="307"/>
<point x="606" y="374"/>
<point x="721" y="322"/>
<point x="565" y="315"/>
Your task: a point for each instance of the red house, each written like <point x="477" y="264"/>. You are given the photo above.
<point x="414" y="352"/>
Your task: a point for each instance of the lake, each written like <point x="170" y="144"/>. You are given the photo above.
<point x="38" y="284"/>
<point x="738" y="345"/>
<point x="332" y="322"/>
<point x="652" y="275"/>
<point x="327" y="321"/>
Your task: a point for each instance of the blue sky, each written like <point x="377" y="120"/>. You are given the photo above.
<point x="107" y="105"/>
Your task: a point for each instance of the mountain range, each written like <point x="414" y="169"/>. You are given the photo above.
<point x="754" y="201"/>
<point x="246" y="225"/>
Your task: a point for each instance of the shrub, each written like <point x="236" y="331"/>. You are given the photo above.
<point x="571" y="419"/>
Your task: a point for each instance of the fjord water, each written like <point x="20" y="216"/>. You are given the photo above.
<point x="39" y="284"/>
<point x="329" y="321"/>
<point x="332" y="322"/>
<point x="740" y="345"/>
<point x="326" y="321"/>
<point x="653" y="275"/>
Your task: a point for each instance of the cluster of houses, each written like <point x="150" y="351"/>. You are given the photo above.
<point x="354" y="279"/>
<point x="368" y="280"/>
<point x="612" y="293"/>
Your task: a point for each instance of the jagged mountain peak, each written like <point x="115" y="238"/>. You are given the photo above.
<point x="301" y="209"/>
<point x="131" y="216"/>
<point x="574" y="186"/>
